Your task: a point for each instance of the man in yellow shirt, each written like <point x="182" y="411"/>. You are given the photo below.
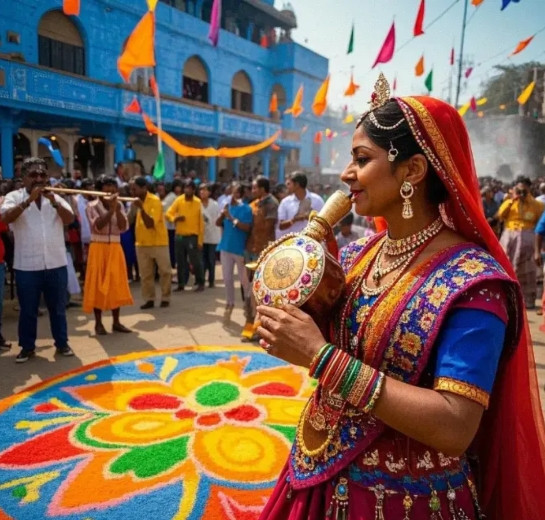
<point x="520" y="213"/>
<point x="151" y="244"/>
<point x="186" y="212"/>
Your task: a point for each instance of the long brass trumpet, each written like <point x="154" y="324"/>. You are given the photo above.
<point x="75" y="191"/>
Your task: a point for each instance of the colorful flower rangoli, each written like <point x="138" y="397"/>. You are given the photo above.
<point x="189" y="433"/>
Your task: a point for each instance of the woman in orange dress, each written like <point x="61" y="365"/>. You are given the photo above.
<point x="106" y="282"/>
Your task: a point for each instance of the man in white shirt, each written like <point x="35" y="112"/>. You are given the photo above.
<point x="37" y="219"/>
<point x="294" y="210"/>
<point x="212" y="232"/>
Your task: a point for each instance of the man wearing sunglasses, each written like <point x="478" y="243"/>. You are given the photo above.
<point x="520" y="213"/>
<point x="37" y="219"/>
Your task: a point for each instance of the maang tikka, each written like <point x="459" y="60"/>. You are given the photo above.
<point x="379" y="97"/>
<point x="406" y="192"/>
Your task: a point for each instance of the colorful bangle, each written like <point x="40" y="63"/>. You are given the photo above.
<point x="368" y="408"/>
<point x="320" y="359"/>
<point x="361" y="386"/>
<point x="348" y="381"/>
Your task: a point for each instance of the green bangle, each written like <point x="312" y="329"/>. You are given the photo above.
<point x="325" y="357"/>
<point x="349" y="379"/>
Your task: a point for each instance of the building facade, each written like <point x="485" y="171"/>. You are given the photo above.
<point x="59" y="80"/>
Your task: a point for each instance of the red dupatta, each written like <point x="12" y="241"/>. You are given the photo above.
<point x="510" y="443"/>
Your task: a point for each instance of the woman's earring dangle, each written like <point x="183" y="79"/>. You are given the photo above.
<point x="406" y="192"/>
<point x="392" y="153"/>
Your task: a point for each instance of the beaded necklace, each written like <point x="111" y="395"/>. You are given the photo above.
<point x="359" y="285"/>
<point x="396" y="247"/>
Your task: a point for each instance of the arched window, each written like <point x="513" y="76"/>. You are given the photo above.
<point x="241" y="92"/>
<point x="60" y="45"/>
<point x="195" y="80"/>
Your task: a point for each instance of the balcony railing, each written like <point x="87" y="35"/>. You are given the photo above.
<point x="36" y="89"/>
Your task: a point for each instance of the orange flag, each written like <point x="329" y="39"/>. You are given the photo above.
<point x="297" y="108"/>
<point x="273" y="105"/>
<point x="352" y="88"/>
<point x="522" y="45"/>
<point x="476" y="3"/>
<point x="419" y="68"/>
<point x="320" y="99"/>
<point x="139" y="50"/>
<point x="189" y="151"/>
<point x="318" y="137"/>
<point x="70" y="7"/>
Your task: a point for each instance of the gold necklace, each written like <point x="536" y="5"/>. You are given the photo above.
<point x="397" y="247"/>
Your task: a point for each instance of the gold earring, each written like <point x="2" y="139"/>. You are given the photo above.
<point x="406" y="192"/>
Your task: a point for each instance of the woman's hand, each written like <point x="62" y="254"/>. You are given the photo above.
<point x="291" y="333"/>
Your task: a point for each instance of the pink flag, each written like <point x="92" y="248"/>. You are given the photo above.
<point x="452" y="56"/>
<point x="473" y="104"/>
<point x="215" y="19"/>
<point x="468" y="72"/>
<point x="388" y="47"/>
<point x="394" y="86"/>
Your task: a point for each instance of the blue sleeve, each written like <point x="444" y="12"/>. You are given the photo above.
<point x="469" y="347"/>
<point x="540" y="228"/>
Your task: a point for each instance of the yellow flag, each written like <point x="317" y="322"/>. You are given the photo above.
<point x="482" y="101"/>
<point x="526" y="93"/>
<point x="464" y="108"/>
<point x="297" y="108"/>
<point x="152" y="4"/>
<point x="348" y="119"/>
<point x="320" y="100"/>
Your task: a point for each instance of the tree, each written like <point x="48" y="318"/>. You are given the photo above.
<point x="508" y="83"/>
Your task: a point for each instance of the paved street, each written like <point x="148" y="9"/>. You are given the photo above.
<point x="192" y="318"/>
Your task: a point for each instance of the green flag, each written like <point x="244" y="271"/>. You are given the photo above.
<point x="159" y="167"/>
<point x="351" y="42"/>
<point x="429" y="81"/>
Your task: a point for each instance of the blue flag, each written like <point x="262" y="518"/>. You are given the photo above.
<point x="505" y="3"/>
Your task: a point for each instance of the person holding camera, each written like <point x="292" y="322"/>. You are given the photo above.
<point x="520" y="213"/>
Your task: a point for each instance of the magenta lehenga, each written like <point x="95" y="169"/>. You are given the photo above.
<point x="442" y="325"/>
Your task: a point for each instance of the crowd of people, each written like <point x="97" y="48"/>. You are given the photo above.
<point x="61" y="244"/>
<point x="172" y="232"/>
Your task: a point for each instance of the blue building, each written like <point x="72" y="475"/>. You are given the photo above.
<point x="59" y="79"/>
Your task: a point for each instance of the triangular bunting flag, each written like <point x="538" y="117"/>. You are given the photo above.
<point x="153" y="86"/>
<point x="348" y="119"/>
<point x="320" y="99"/>
<point x="452" y="56"/>
<point x="273" y="104"/>
<point x="297" y="108"/>
<point x="468" y="72"/>
<point x="476" y="3"/>
<point x="429" y="81"/>
<point x="505" y="3"/>
<point x="522" y="45"/>
<point x="419" y="23"/>
<point x="139" y="49"/>
<point x="419" y="67"/>
<point x="526" y="93"/>
<point x="152" y="4"/>
<point x="387" y="50"/>
<point x="351" y="42"/>
<point x="473" y="104"/>
<point x="71" y="7"/>
<point x="159" y="167"/>
<point x="133" y="107"/>
<point x="215" y="21"/>
<point x="352" y="88"/>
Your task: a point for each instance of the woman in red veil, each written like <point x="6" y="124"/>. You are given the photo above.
<point x="427" y="403"/>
